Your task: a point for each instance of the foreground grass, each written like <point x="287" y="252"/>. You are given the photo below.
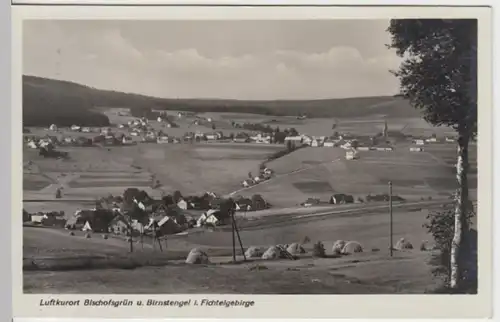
<point x="186" y="279"/>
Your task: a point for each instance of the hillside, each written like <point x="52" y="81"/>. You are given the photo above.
<point x="48" y="101"/>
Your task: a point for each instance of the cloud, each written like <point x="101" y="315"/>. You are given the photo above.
<point x="107" y="59"/>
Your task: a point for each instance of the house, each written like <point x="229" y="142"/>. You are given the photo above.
<point x="314" y="143"/>
<point x="416" y="149"/>
<point x="53" y="127"/>
<point x="212" y="217"/>
<point x="168" y="226"/>
<point x="243" y="204"/>
<point x="328" y="144"/>
<point x="162" y="139"/>
<point x="87" y="226"/>
<point x="86" y="129"/>
<point x="258" y="202"/>
<point x="211" y="136"/>
<point x="351" y="155"/>
<point x="121" y="126"/>
<point x="450" y="139"/>
<point x="75" y="128"/>
<point x="384" y="148"/>
<point x="296" y="139"/>
<point x="127" y="140"/>
<point x="134" y="133"/>
<point x="53" y="220"/>
<point x="419" y="142"/>
<point x="119" y="226"/>
<point x="247" y="183"/>
<point x="106" y="131"/>
<point x="431" y="140"/>
<point x="363" y="148"/>
<point x="32" y="145"/>
<point x="241" y="139"/>
<point x="311" y="202"/>
<point x="182" y="204"/>
<point x="37" y="218"/>
<point x="341" y="198"/>
<point x="68" y="140"/>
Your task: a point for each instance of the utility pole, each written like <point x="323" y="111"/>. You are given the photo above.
<point x="234" y="241"/>
<point x="390" y="217"/>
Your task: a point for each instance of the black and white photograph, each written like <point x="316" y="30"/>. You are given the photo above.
<point x="321" y="156"/>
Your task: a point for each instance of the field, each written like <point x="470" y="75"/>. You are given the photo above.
<point x="373" y="270"/>
<point x="95" y="172"/>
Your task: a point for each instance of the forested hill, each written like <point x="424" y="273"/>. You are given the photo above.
<point x="47" y="101"/>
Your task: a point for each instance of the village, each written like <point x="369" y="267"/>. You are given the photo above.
<point x="135" y="214"/>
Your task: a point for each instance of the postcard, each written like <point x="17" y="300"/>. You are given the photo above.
<point x="249" y="162"/>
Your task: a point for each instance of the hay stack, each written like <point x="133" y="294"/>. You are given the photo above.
<point x="352" y="247"/>
<point x="71" y="233"/>
<point x="403" y="244"/>
<point x="253" y="252"/>
<point x="87" y="235"/>
<point x="197" y="256"/>
<point x="338" y="246"/>
<point x="104" y="236"/>
<point x="272" y="252"/>
<point x="295" y="249"/>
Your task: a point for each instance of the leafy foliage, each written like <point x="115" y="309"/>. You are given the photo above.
<point x="439" y="74"/>
<point x="319" y="250"/>
<point x="441" y="225"/>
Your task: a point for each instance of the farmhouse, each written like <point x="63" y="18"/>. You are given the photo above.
<point x="341" y="198"/>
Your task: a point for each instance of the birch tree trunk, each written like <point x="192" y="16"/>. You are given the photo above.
<point x="460" y="224"/>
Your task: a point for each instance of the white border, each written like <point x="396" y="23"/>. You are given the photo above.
<point x="265" y="2"/>
<point x="378" y="306"/>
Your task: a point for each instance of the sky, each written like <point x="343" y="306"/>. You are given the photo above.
<point x="249" y="60"/>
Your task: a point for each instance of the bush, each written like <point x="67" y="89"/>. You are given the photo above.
<point x="441" y="225"/>
<point x="319" y="250"/>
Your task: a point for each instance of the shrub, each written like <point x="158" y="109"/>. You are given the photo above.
<point x="319" y="250"/>
<point x="441" y="225"/>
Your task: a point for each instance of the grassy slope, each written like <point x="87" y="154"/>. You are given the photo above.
<point x="63" y="101"/>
